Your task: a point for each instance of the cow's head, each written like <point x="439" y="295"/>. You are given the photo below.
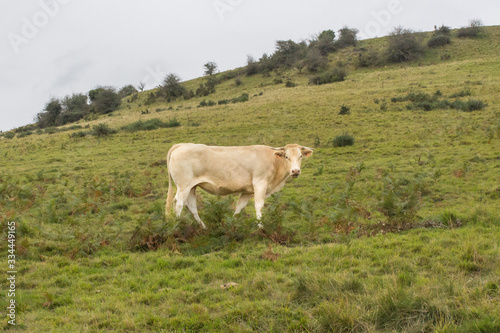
<point x="292" y="156"/>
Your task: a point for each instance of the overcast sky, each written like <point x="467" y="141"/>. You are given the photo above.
<point x="52" y="48"/>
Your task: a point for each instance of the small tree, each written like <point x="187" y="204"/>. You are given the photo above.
<point x="104" y="100"/>
<point x="471" y="31"/>
<point x="172" y="87"/>
<point x="325" y="42"/>
<point x="440" y="37"/>
<point x="127" y="90"/>
<point x="403" y="46"/>
<point x="141" y="86"/>
<point x="75" y="107"/>
<point x="50" y="113"/>
<point x="252" y="66"/>
<point x="210" y="68"/>
<point x="438" y="40"/>
<point x="348" y="37"/>
<point x="442" y="30"/>
<point x="288" y="53"/>
<point x="315" y="61"/>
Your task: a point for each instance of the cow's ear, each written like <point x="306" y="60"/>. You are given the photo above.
<point x="306" y="152"/>
<point x="279" y="153"/>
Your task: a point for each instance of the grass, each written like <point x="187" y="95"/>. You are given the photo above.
<point x="398" y="232"/>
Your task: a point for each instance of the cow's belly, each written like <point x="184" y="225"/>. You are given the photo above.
<point x="225" y="189"/>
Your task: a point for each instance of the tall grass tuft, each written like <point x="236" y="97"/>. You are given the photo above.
<point x="102" y="130"/>
<point x="343" y="140"/>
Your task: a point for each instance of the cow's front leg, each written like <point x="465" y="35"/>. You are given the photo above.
<point x="242" y="202"/>
<point x="259" y="196"/>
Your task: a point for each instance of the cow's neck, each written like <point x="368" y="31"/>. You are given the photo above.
<point x="281" y="172"/>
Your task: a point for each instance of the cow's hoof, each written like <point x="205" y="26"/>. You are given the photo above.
<point x="260" y="226"/>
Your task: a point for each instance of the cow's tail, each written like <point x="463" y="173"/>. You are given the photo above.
<point x="170" y="194"/>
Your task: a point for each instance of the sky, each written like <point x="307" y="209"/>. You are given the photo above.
<point x="53" y="48"/>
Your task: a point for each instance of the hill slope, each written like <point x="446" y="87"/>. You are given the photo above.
<point x="398" y="232"/>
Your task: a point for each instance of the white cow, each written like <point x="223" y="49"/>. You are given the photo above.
<point x="251" y="170"/>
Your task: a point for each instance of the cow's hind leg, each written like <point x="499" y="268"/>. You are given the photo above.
<point x="242" y="202"/>
<point x="181" y="198"/>
<point x="191" y="205"/>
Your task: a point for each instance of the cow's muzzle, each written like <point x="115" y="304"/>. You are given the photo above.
<point x="295" y="173"/>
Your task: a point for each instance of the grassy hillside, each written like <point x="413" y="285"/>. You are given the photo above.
<point x="398" y="232"/>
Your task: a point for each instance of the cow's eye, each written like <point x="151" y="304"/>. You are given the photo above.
<point x="287" y="157"/>
<point x="300" y="156"/>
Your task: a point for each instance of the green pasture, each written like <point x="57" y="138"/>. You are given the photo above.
<point x="398" y="232"/>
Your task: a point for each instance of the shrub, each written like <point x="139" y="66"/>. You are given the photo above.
<point x="344" y="110"/>
<point x="343" y="140"/>
<point x="324" y="43"/>
<point x="469" y="106"/>
<point x="426" y="102"/>
<point x="127" y="90"/>
<point x="315" y="61"/>
<point x="150" y="124"/>
<point x="205" y="89"/>
<point x="50" y="113"/>
<point x="290" y="84"/>
<point x="242" y="98"/>
<point x="368" y="59"/>
<point x="9" y="135"/>
<point x="102" y="130"/>
<point x="471" y="31"/>
<point x="104" y="100"/>
<point x="403" y="46"/>
<point x="401" y="198"/>
<point x="75" y="107"/>
<point x="206" y="103"/>
<point x="278" y="80"/>
<point x="445" y="56"/>
<point x="133" y="98"/>
<point x="347" y="37"/>
<point x="50" y="130"/>
<point x="172" y="87"/>
<point x="443" y="30"/>
<point x="79" y="134"/>
<point x="438" y="40"/>
<point x="189" y="94"/>
<point x="237" y="81"/>
<point x="462" y="93"/>
<point x="266" y="65"/>
<point x="228" y="75"/>
<point x="252" y="67"/>
<point x="335" y="75"/>
<point x="288" y="53"/>
<point x="151" y="99"/>
<point x="24" y="134"/>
